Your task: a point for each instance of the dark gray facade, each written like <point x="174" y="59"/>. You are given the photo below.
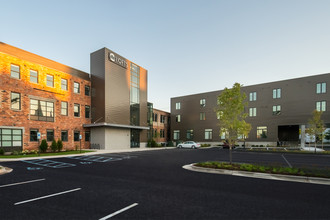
<point x="281" y="116"/>
<point x="115" y="81"/>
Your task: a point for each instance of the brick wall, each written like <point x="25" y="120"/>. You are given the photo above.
<point x="40" y="91"/>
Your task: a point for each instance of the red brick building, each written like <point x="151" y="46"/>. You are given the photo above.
<point x="161" y="126"/>
<point x="41" y="95"/>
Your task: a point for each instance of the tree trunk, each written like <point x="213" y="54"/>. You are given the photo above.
<point x="230" y="154"/>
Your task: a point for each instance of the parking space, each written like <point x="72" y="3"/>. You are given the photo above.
<point x="49" y="163"/>
<point x="96" y="158"/>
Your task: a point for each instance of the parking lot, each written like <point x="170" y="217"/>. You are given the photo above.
<point x="153" y="185"/>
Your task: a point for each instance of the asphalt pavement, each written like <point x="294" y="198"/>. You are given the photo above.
<point x="153" y="185"/>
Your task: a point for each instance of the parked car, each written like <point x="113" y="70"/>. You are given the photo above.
<point x="189" y="144"/>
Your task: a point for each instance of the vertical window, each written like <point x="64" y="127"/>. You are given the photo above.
<point x="190" y="134"/>
<point x="76" y="110"/>
<point x="33" y="76"/>
<point x="176" y="134"/>
<point x="64" y="108"/>
<point x="321" y="106"/>
<point x="76" y="135"/>
<point x="87" y="111"/>
<point x="64" y="84"/>
<point x="178" y="106"/>
<point x="155" y="117"/>
<point x="87" y="90"/>
<point x="321" y="88"/>
<point x="253" y="96"/>
<point x="162" y="119"/>
<point x="34" y="135"/>
<point x="276" y="93"/>
<point x="276" y="109"/>
<point x="87" y="136"/>
<point x="261" y="132"/>
<point x="15" y="101"/>
<point x="15" y="71"/>
<point x="50" y="80"/>
<point x="50" y="135"/>
<point x="202" y="116"/>
<point x="64" y="136"/>
<point x="252" y="112"/>
<point x="178" y="118"/>
<point x="76" y="87"/>
<point x="155" y="134"/>
<point x="202" y="102"/>
<point x="208" y="134"/>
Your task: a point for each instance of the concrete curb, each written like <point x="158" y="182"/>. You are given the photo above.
<point x="5" y="170"/>
<point x="85" y="154"/>
<point x="301" y="179"/>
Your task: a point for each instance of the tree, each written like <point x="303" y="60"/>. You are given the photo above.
<point x="230" y="109"/>
<point x="43" y="146"/>
<point x="53" y="146"/>
<point x="316" y="126"/>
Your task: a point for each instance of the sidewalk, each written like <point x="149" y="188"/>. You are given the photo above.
<point x="95" y="152"/>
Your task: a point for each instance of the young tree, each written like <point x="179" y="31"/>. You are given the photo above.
<point x="231" y="103"/>
<point x="316" y="126"/>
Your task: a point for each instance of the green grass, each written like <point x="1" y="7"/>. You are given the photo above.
<point x="46" y="154"/>
<point x="287" y="151"/>
<point x="325" y="173"/>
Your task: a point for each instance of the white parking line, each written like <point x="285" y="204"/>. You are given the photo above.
<point x="119" y="211"/>
<point x="44" y="197"/>
<point x="286" y="161"/>
<point x="14" y="184"/>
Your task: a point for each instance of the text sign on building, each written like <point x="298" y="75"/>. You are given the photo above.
<point x="38" y="135"/>
<point x="117" y="60"/>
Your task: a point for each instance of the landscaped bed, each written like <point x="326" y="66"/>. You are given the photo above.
<point x="325" y="173"/>
<point x="35" y="154"/>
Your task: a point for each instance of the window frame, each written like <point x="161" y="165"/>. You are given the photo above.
<point x="202" y="102"/>
<point x="89" y="111"/>
<point x="322" y="108"/>
<point x="67" y="135"/>
<point x="19" y="101"/>
<point x="176" y="134"/>
<point x="253" y="96"/>
<point x="89" y="90"/>
<point x="76" y="88"/>
<point x="35" y="136"/>
<point x="202" y="116"/>
<point x="253" y="112"/>
<point x="66" y="108"/>
<point x="48" y="76"/>
<point x="65" y="85"/>
<point x="74" y="110"/>
<point x="208" y="133"/>
<point x="277" y="93"/>
<point x="15" y="72"/>
<point x="178" y="118"/>
<point x="34" y="77"/>
<point x="47" y="107"/>
<point x="321" y="88"/>
<point x="177" y="105"/>
<point x="74" y="136"/>
<point x="276" y="109"/>
<point x="262" y="130"/>
<point x="49" y="136"/>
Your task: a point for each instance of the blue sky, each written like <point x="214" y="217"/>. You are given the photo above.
<point x="187" y="47"/>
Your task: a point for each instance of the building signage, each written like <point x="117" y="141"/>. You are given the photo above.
<point x="117" y="60"/>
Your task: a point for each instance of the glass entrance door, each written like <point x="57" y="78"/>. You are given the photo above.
<point x="135" y="138"/>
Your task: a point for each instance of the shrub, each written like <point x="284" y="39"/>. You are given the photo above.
<point x="2" y="151"/>
<point x="24" y="152"/>
<point x="59" y="145"/>
<point x="153" y="143"/>
<point x="43" y="146"/>
<point x="205" y="145"/>
<point x="54" y="146"/>
<point x="170" y="144"/>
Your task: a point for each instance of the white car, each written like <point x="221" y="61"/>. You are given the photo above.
<point x="189" y="144"/>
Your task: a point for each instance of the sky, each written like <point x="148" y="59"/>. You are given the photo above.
<point x="187" y="46"/>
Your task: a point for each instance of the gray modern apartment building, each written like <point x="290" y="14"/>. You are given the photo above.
<point x="277" y="111"/>
<point x="119" y="102"/>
